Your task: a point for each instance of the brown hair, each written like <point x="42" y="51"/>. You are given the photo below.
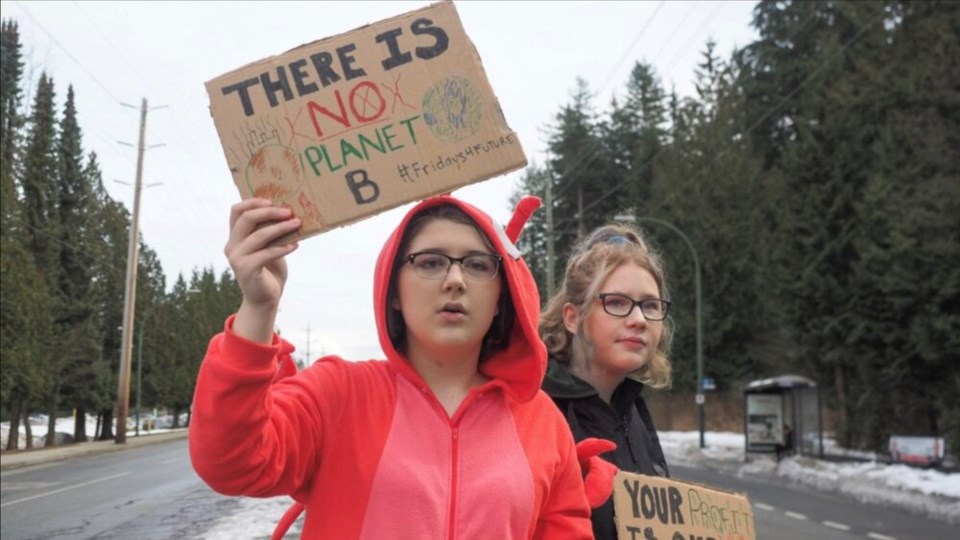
<point x="590" y="263"/>
<point x="497" y="337"/>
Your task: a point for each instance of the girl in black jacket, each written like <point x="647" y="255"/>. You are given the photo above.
<point x="607" y="334"/>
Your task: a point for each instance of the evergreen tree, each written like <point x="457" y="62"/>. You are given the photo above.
<point x="202" y="305"/>
<point x="24" y="301"/>
<point x="816" y="175"/>
<point x="40" y="184"/>
<point x="579" y="172"/>
<point x="79" y="346"/>
<point x="906" y="276"/>
<point x="24" y="312"/>
<point x="840" y="92"/>
<point x="40" y="172"/>
<point x="776" y="67"/>
<point x="640" y="127"/>
<point x="110" y="250"/>
<point x="178" y="328"/>
<point x="709" y="186"/>
<point x="10" y="215"/>
<point x="149" y="338"/>
<point x="11" y="73"/>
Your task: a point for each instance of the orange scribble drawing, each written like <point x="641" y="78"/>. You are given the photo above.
<point x="274" y="192"/>
<point x="293" y="163"/>
<point x="259" y="160"/>
<point x="274" y="172"/>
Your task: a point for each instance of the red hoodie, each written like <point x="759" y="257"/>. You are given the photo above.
<point x="368" y="448"/>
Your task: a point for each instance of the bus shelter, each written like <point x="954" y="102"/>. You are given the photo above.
<point x="782" y="415"/>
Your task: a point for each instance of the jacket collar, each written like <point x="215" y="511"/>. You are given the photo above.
<point x="561" y="384"/>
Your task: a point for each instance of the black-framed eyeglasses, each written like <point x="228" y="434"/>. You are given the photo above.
<point x="621" y="305"/>
<point x="433" y="265"/>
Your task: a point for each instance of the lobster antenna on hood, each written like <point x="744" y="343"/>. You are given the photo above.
<point x="527" y="205"/>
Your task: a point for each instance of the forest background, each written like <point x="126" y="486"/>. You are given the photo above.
<point x="814" y="175"/>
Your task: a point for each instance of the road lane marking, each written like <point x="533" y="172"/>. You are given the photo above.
<point x="795" y="515"/>
<point x="61" y="490"/>
<point x="763" y="506"/>
<point x="167" y="462"/>
<point x="836" y="525"/>
<point x="20" y="486"/>
<point x="877" y="536"/>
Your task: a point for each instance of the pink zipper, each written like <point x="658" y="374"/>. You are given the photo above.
<point x="454" y="476"/>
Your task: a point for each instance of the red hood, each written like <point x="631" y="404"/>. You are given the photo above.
<point x="519" y="368"/>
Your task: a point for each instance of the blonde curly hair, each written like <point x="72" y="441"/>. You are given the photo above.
<point x="589" y="265"/>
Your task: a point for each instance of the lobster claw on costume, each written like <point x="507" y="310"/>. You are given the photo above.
<point x="597" y="472"/>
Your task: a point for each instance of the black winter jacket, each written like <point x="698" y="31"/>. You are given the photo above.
<point x="625" y="421"/>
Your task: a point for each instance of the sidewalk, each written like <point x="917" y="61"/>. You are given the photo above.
<point x="24" y="458"/>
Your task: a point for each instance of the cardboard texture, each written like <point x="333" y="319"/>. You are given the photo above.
<point x="351" y="125"/>
<point x="655" y="508"/>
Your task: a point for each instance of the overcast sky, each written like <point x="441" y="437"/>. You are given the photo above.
<point x="116" y="53"/>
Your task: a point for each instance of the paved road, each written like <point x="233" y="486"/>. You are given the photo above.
<point x="151" y="492"/>
<point x="141" y="493"/>
<point x="785" y="512"/>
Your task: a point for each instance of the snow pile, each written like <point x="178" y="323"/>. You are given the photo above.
<point x="65" y="427"/>
<point x="930" y="493"/>
<point x="926" y="492"/>
<point x="254" y="518"/>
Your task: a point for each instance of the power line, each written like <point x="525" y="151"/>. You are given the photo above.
<point x="65" y="51"/>
<point x="133" y="68"/>
<point x="168" y="207"/>
<point x="581" y="160"/>
<point x="676" y="30"/>
<point x="693" y="38"/>
<point x="146" y="84"/>
<point x="756" y="124"/>
<point x="79" y="64"/>
<point x="626" y="53"/>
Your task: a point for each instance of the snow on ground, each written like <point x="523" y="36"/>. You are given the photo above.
<point x="38" y="428"/>
<point x="927" y="492"/>
<point x="254" y="519"/>
<point x="683" y="447"/>
<point x="922" y="491"/>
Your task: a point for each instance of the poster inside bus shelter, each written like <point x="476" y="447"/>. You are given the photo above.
<point x="355" y="124"/>
<point x="656" y="508"/>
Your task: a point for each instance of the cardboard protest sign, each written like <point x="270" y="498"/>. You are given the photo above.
<point x="358" y="123"/>
<point x="655" y="508"/>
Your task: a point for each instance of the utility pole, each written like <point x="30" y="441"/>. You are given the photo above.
<point x="700" y="398"/>
<point x="551" y="254"/>
<point x="136" y="422"/>
<point x="130" y="291"/>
